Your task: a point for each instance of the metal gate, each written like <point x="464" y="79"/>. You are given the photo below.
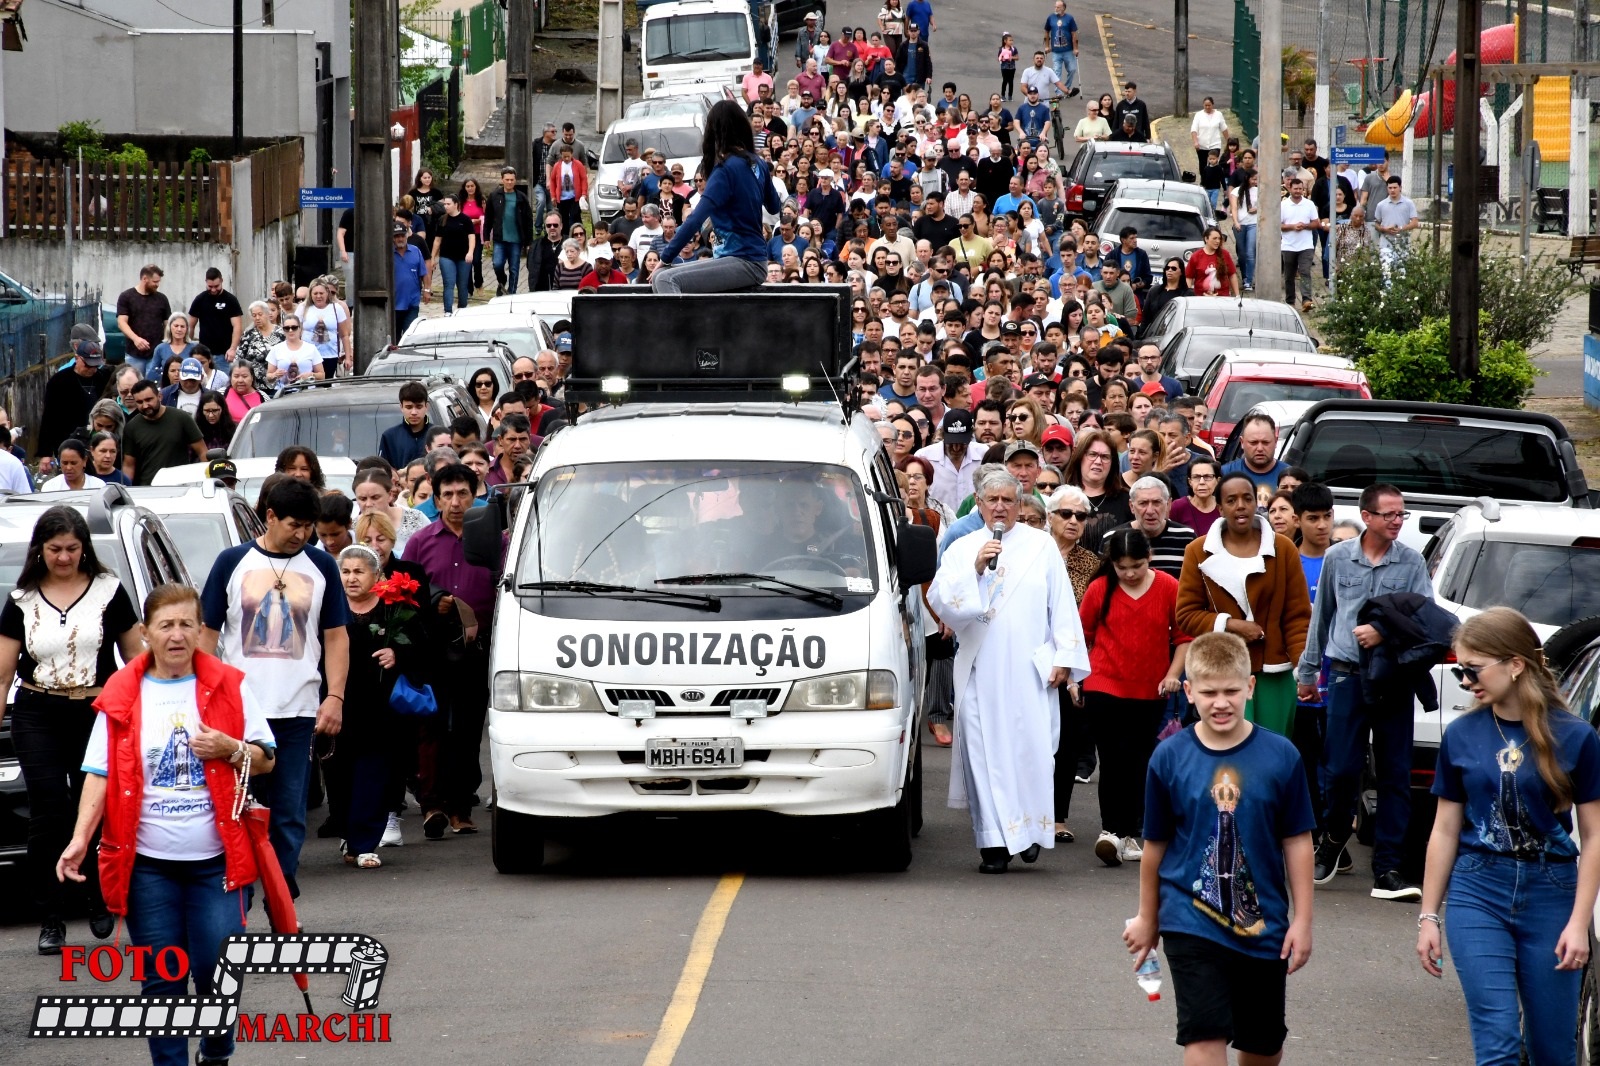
<point x="1246" y="68"/>
<point x="439" y="121"/>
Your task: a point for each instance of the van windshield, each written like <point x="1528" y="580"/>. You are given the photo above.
<point x="1436" y="460"/>
<point x="681" y="525"/>
<point x="697" y="38"/>
<point x="335" y="429"/>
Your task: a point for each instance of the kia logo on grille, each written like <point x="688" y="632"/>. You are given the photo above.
<point x="692" y="695"/>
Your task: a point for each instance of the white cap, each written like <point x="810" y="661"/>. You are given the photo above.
<point x="812" y="16"/>
<point x="825" y="173"/>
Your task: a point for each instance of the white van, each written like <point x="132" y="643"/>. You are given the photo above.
<point x="677" y="137"/>
<point x="710" y="599"/>
<point x="692" y="43"/>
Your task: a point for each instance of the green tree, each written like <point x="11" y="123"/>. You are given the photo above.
<point x="1415" y="365"/>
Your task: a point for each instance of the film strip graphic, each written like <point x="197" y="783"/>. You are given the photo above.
<point x="355" y="954"/>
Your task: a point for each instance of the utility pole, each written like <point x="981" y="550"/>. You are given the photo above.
<point x="1269" y="160"/>
<point x="238" y="78"/>
<point x="1180" y="43"/>
<point x="1464" y="207"/>
<point x="519" y="51"/>
<point x="376" y="31"/>
<point x="1578" y="160"/>
<point x="1322" y="124"/>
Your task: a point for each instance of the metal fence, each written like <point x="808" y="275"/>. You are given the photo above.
<point x="41" y="331"/>
<point x="473" y="39"/>
<point x="156" y="202"/>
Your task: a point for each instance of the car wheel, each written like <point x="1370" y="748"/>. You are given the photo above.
<point x="883" y="837"/>
<point x="1565" y="643"/>
<point x="516" y="841"/>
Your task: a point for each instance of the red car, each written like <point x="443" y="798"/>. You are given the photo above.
<point x="1240" y="378"/>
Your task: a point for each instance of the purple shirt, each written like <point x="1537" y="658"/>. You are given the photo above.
<point x="441" y="555"/>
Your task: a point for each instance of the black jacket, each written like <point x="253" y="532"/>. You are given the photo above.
<point x="1417" y="635"/>
<point x="1141" y="128"/>
<point x="496" y="211"/>
<point x="542" y="256"/>
<point x="66" y="406"/>
<point x="924" y="60"/>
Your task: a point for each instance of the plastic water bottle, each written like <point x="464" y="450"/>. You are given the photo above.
<point x="1148" y="974"/>
<point x="1149" y="977"/>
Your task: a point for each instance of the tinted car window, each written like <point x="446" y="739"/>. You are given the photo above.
<point x="1581" y="683"/>
<point x="1435" y="459"/>
<point x="1552" y="584"/>
<point x="1108" y="166"/>
<point x="675" y="142"/>
<point x="333" y="429"/>
<point x="1154" y="224"/>
<point x="1239" y="396"/>
<point x="461" y="367"/>
<point x="200" y="538"/>
<point x="1225" y="313"/>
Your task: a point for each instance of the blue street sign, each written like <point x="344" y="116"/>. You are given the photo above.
<point x="339" y="197"/>
<point x="1363" y="155"/>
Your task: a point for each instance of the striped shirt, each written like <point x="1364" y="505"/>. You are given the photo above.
<point x="1166" y="548"/>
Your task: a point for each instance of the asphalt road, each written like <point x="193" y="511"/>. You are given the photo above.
<point x="816" y="963"/>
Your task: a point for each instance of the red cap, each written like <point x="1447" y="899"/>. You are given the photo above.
<point x="1057" y="433"/>
<point x="1153" y="388"/>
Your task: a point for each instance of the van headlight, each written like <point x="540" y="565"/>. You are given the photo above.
<point x="515" y="691"/>
<point x="856" y="691"/>
<point x="610" y="192"/>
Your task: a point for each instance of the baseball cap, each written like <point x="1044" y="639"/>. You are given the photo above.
<point x="825" y="173"/>
<point x="956" y="426"/>
<point x="599" y="250"/>
<point x="1010" y="327"/>
<point x="191" y="370"/>
<point x="82" y="331"/>
<point x="564" y="342"/>
<point x="1033" y="380"/>
<point x="89" y="352"/>
<point x="1153" y="388"/>
<point x="222" y="469"/>
<point x="399" y="230"/>
<point x="1017" y="447"/>
<point x="1057" y="434"/>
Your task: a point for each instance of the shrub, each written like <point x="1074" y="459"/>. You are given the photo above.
<point x="1415" y="365"/>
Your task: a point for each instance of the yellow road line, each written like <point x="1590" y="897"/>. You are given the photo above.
<point x="702" y="949"/>
<point x="1111" y="71"/>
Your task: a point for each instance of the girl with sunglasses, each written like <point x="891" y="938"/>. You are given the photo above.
<point x="1514" y="774"/>
<point x="485" y="389"/>
<point x="1174" y="284"/>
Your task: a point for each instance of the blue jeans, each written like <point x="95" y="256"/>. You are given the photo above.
<point x="457" y="282"/>
<point x="284" y="792"/>
<point x="183" y="904"/>
<point x="1245" y="237"/>
<point x="507" y="260"/>
<point x="1504" y="916"/>
<point x="723" y="274"/>
<point x="1065" y="64"/>
<point x="1350" y="719"/>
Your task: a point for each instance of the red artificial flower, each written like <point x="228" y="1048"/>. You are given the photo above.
<point x="400" y="588"/>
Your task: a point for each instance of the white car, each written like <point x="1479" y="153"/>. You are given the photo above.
<point x="549" y="307"/>
<point x="338" y="472"/>
<point x="520" y="331"/>
<point x="676" y="136"/>
<point x="1168" y="228"/>
<point x="1542" y="561"/>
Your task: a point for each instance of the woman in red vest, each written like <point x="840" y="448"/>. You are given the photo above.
<point x="172" y="750"/>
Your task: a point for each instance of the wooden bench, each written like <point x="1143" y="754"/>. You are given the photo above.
<point x="1585" y="252"/>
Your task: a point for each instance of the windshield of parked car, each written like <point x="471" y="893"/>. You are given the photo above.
<point x="330" y="428"/>
<point x="1214" y="312"/>
<point x="639" y="525"/>
<point x="522" y="340"/>
<point x="1552" y="584"/>
<point x="1108" y="166"/>
<point x="1435" y="459"/>
<point x="1154" y="224"/>
<point x="460" y="367"/>
<point x="674" y="142"/>
<point x="1240" y="396"/>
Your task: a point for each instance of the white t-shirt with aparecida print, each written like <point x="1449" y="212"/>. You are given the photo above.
<point x="177" y="817"/>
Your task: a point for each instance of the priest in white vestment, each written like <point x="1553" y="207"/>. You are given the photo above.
<point x="1018" y="638"/>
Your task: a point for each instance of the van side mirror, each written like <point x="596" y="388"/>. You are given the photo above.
<point x="482" y="534"/>
<point x="917" y="550"/>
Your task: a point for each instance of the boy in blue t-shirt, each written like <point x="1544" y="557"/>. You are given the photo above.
<point x="1227" y="830"/>
<point x="1313" y="510"/>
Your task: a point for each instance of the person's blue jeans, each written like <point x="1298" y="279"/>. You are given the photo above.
<point x="284" y="792"/>
<point x="1065" y="64"/>
<point x="457" y="282"/>
<point x="136" y="359"/>
<point x="722" y="274"/>
<point x="183" y="904"/>
<point x="1245" y="236"/>
<point x="507" y="260"/>
<point x="1503" y="917"/>
<point x="1350" y="720"/>
<point x="403" y="319"/>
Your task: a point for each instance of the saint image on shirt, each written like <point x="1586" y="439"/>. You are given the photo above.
<point x="1507" y="829"/>
<point x="1209" y="284"/>
<point x="175" y="766"/>
<point x="1225" y="891"/>
<point x="277" y="610"/>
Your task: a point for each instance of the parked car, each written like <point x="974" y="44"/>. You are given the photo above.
<point x="338" y="474"/>
<point x="1167" y="228"/>
<point x="1242" y="313"/>
<point x="204" y="520"/>
<point x="522" y="333"/>
<point x="1184" y="192"/>
<point x="1187" y="353"/>
<point x="1442" y="456"/>
<point x="1100" y="163"/>
<point x="1240" y="378"/>
<point x="551" y="308"/>
<point x="695" y="102"/>
<point x="342" y="417"/>
<point x="457" y="359"/>
<point x="676" y="135"/>
<point x="133" y="543"/>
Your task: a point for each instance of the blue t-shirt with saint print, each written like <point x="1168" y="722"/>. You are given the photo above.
<point x="1224" y="816"/>
<point x="1488" y="765"/>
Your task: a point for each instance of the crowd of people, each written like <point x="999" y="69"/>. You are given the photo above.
<point x="1200" y="640"/>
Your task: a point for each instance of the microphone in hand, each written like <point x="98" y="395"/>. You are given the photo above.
<point x="998" y="530"/>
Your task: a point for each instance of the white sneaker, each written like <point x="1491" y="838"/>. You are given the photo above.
<point x="1131" y="850"/>
<point x="391" y="834"/>
<point x="1108" y="849"/>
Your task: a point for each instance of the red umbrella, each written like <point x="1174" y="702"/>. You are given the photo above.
<point x="274" y="889"/>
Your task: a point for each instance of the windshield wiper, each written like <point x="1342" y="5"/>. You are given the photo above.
<point x="787" y="588"/>
<point x="624" y="592"/>
<point x="719" y="53"/>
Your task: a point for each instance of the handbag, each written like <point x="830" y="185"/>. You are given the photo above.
<point x="406" y="698"/>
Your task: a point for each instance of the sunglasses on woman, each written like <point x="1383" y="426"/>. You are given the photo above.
<point x="1047" y="486"/>
<point x="1469" y="674"/>
<point x="1031" y="519"/>
<point x="483" y="383"/>
<point x="1066" y="513"/>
